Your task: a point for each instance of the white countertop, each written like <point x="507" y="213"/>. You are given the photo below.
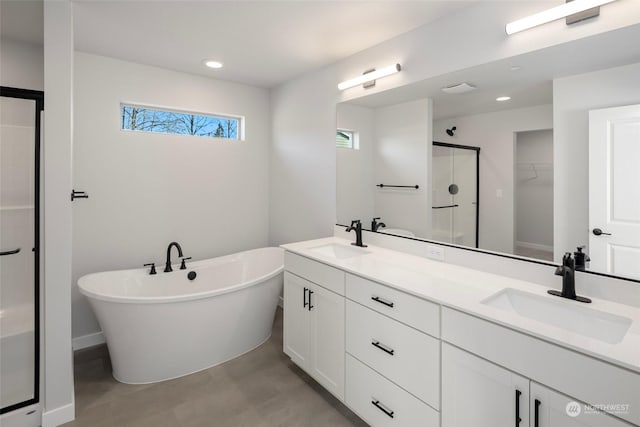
<point x="464" y="289"/>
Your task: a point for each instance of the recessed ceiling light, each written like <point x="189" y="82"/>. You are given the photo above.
<point x="212" y="63"/>
<point x="503" y="98"/>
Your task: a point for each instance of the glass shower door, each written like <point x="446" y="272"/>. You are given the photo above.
<point x="455" y="194"/>
<point x="19" y="332"/>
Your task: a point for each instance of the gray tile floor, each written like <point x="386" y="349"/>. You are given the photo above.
<point x="262" y="388"/>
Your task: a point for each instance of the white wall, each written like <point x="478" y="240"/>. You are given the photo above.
<point x="494" y="133"/>
<point x="354" y="170"/>
<point x="573" y="97"/>
<point x="147" y="190"/>
<point x="21" y="65"/>
<point x="58" y="395"/>
<point x="534" y="189"/>
<point x="403" y="157"/>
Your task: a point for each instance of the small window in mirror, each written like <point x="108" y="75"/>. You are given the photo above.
<point x="347" y="139"/>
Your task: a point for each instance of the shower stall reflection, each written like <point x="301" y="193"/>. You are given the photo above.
<point x="455" y="194"/>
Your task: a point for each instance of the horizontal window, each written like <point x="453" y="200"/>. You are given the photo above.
<point x="347" y="139"/>
<point x="147" y="119"/>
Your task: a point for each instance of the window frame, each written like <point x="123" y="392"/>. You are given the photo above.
<point x="240" y="127"/>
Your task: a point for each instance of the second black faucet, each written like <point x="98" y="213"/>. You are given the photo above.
<point x="356" y="226"/>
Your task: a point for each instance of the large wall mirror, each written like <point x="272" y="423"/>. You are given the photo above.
<point x="554" y="167"/>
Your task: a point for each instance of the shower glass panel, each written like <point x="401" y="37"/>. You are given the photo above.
<point x="455" y="194"/>
<point x="19" y="332"/>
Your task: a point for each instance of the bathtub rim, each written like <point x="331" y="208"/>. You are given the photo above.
<point x="186" y="297"/>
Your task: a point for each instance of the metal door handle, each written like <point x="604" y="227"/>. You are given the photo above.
<point x="518" y="419"/>
<point x="10" y="252"/>
<point x="378" y="405"/>
<point x="536" y="422"/>
<point x="304" y="298"/>
<point x="382" y="347"/>
<point x="310" y="293"/>
<point x="382" y="301"/>
<point x="599" y="232"/>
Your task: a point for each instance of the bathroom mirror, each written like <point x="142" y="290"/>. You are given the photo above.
<point x="528" y="193"/>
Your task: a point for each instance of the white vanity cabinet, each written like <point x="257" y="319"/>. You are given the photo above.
<point x="479" y="393"/>
<point x="314" y="325"/>
<point x="480" y="386"/>
<point x="393" y="367"/>
<point x="549" y="408"/>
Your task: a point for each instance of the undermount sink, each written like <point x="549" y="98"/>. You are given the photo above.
<point x="557" y="312"/>
<point x="338" y="251"/>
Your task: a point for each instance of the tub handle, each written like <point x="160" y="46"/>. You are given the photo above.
<point x="183" y="264"/>
<point x="310" y="293"/>
<point x="153" y="267"/>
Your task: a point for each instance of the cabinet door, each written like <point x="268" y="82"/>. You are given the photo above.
<point x="552" y="409"/>
<point x="327" y="339"/>
<point x="478" y="393"/>
<point x="296" y="319"/>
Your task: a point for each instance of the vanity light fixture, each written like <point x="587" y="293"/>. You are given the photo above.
<point x="553" y="14"/>
<point x="370" y="76"/>
<point x="503" y="98"/>
<point x="212" y="63"/>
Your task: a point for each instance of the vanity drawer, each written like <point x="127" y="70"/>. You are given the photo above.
<point x="404" y="355"/>
<point x="316" y="272"/>
<point x="393" y="406"/>
<point x="418" y="313"/>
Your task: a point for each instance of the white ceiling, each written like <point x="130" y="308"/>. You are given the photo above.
<point x="261" y="43"/>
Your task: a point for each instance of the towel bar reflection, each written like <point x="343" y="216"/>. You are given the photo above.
<point x="397" y="186"/>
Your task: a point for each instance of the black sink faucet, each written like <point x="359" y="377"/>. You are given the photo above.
<point x="167" y="265"/>
<point x="568" y="272"/>
<point x="357" y="226"/>
<point x="375" y="225"/>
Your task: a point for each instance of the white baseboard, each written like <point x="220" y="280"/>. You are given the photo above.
<point x="535" y="246"/>
<point x="89" y="340"/>
<point x="59" y="416"/>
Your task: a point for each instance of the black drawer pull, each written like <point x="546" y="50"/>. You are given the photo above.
<point x="518" y="419"/>
<point x="304" y="297"/>
<point x="382" y="347"/>
<point x="378" y="405"/>
<point x="382" y="301"/>
<point x="310" y="293"/>
<point x="536" y="414"/>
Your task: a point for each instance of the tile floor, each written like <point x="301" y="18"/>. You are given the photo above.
<point x="262" y="388"/>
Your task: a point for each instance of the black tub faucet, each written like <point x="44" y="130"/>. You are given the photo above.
<point x="167" y="265"/>
<point x="375" y="225"/>
<point x="356" y="226"/>
<point x="568" y="272"/>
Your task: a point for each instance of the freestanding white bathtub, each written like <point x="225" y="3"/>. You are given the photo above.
<point x="164" y="326"/>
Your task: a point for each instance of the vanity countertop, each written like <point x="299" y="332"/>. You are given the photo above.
<point x="465" y="289"/>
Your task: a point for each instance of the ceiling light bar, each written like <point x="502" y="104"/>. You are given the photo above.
<point x="369" y="77"/>
<point x="553" y="14"/>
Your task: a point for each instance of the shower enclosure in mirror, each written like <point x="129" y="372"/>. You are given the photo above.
<point x="20" y="112"/>
<point x="454" y="193"/>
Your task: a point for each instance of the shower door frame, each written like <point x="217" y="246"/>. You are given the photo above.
<point x="477" y="150"/>
<point x="38" y="97"/>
